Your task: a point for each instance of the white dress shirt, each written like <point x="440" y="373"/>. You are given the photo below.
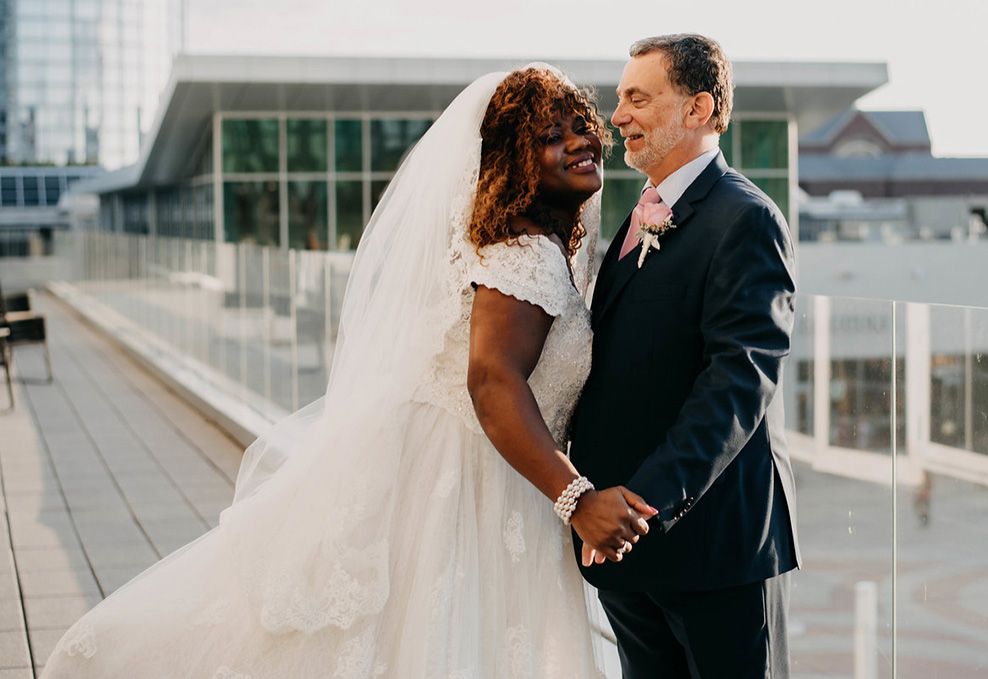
<point x="674" y="186"/>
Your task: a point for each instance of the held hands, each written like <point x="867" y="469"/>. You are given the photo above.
<point x="609" y="522"/>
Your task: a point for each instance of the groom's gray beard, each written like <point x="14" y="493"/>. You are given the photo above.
<point x="658" y="144"/>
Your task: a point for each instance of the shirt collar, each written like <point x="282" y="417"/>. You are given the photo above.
<point x="674" y="186"/>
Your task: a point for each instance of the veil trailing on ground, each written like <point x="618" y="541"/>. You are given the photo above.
<point x="403" y="288"/>
<point x="313" y="556"/>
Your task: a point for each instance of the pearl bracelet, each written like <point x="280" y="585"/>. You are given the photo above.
<point x="566" y="503"/>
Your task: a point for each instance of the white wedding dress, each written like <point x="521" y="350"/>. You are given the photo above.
<point x="378" y="533"/>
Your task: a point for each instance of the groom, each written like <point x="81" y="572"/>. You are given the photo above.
<point x="682" y="405"/>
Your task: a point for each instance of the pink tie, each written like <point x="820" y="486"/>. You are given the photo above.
<point x="650" y="195"/>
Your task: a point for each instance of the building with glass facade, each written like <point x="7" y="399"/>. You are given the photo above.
<point x="295" y="152"/>
<point x="79" y="79"/>
<point x="29" y="206"/>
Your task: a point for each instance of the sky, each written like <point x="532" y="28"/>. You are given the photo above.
<point x="935" y="49"/>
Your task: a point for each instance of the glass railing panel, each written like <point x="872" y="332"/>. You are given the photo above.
<point x="887" y="418"/>
<point x="253" y="317"/>
<point x="155" y="274"/>
<point x="170" y="296"/>
<point x="798" y="378"/>
<point x="313" y="332"/>
<point x="942" y="480"/>
<point x="220" y="344"/>
<point x="281" y="374"/>
<point x="212" y="302"/>
<point x="861" y="375"/>
<point x="841" y="613"/>
<point x="202" y="296"/>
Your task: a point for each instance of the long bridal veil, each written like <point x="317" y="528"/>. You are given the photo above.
<point x="305" y="545"/>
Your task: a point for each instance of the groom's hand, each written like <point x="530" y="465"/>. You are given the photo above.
<point x="609" y="522"/>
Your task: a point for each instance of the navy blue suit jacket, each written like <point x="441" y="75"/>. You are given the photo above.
<point x="683" y="405"/>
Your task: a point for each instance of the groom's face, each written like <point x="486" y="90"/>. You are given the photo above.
<point x="650" y="112"/>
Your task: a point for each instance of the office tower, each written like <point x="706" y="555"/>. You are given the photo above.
<point x="80" y="79"/>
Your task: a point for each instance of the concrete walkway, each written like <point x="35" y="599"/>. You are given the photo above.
<point x="102" y="472"/>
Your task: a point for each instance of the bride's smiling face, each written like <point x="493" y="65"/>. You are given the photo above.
<point x="569" y="158"/>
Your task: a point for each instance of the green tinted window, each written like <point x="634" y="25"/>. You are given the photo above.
<point x="204" y="211"/>
<point x="377" y="191"/>
<point x="349" y="214"/>
<point x="620" y="197"/>
<point x="250" y="145"/>
<point x="777" y="189"/>
<point x="727" y="144"/>
<point x="349" y="146"/>
<point x="764" y="144"/>
<point x="615" y="160"/>
<point x="250" y="212"/>
<point x="307" y="215"/>
<point x="306" y="145"/>
<point x="390" y="139"/>
<point x="204" y="165"/>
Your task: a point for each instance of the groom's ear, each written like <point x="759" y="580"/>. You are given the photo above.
<point x="699" y="109"/>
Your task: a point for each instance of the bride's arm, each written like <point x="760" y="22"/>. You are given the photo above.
<point x="506" y="340"/>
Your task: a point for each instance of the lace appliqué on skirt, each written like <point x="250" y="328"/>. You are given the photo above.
<point x="514" y="536"/>
<point x="356" y="659"/>
<point x="79" y="640"/>
<point x="347" y="596"/>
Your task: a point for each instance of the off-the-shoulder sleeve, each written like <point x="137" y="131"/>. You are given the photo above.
<point x="532" y="269"/>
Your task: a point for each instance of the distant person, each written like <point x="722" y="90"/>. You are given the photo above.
<point x="692" y="324"/>
<point x="404" y="525"/>
<point x="921" y="501"/>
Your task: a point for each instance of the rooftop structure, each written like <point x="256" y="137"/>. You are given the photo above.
<point x="295" y="151"/>
<point x="885" y="159"/>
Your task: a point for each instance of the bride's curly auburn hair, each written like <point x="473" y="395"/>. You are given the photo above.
<point x="523" y="104"/>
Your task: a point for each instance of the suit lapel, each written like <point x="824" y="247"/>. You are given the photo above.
<point x="625" y="269"/>
<point x="605" y="277"/>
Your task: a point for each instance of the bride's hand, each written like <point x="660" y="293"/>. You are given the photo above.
<point x="609" y="522"/>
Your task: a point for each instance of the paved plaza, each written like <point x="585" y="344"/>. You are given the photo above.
<point x="104" y="471"/>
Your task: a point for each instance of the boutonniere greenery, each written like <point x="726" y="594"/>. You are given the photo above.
<point x="656" y="221"/>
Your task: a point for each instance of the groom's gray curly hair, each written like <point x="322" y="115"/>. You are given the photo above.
<point x="696" y="64"/>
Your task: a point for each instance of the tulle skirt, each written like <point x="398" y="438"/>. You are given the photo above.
<point x="409" y="550"/>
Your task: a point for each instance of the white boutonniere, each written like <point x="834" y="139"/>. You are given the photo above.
<point x="655" y="220"/>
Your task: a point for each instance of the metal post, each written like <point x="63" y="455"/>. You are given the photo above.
<point x="292" y="288"/>
<point x="968" y="382"/>
<point x="242" y="284"/>
<point x="208" y="297"/>
<point x="268" y="319"/>
<point x="218" y="226"/>
<point x="190" y="308"/>
<point x="283" y="182"/>
<point x="821" y="375"/>
<point x="865" y="630"/>
<point x="894" y="605"/>
<point x="917" y="382"/>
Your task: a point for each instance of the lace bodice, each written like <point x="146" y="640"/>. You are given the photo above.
<point x="532" y="269"/>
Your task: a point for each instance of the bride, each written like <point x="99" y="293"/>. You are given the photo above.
<point x="403" y="525"/>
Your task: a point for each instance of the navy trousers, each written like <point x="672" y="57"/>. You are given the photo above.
<point x="735" y="633"/>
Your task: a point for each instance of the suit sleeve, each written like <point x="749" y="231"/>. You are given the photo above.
<point x="746" y="324"/>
